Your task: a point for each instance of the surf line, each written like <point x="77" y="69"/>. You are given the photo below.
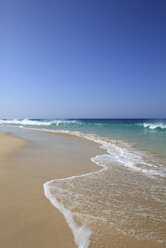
<point x="81" y="234"/>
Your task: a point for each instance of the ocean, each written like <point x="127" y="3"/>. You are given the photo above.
<point x="147" y="133"/>
<point x="127" y="194"/>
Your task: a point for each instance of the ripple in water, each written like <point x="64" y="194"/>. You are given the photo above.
<point x="116" y="199"/>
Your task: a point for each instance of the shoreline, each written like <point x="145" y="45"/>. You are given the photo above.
<point x="58" y="228"/>
<point x="81" y="233"/>
<point x="119" y="146"/>
<point x="85" y="169"/>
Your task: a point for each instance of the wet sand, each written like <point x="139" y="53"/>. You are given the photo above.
<point x="28" y="219"/>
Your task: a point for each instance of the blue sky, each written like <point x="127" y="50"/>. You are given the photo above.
<point x="82" y="58"/>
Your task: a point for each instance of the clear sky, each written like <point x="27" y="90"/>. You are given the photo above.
<point x="82" y="58"/>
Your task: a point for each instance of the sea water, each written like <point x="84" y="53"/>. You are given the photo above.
<point x="126" y="194"/>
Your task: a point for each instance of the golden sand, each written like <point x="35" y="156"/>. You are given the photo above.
<point x="28" y="219"/>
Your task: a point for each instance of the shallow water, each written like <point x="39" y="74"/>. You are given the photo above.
<point x="149" y="134"/>
<point x="126" y="197"/>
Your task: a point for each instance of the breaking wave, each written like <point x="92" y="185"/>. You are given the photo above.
<point x="84" y="199"/>
<point x="159" y="126"/>
<point x="31" y="122"/>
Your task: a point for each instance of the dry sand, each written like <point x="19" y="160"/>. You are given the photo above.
<point x="28" y="219"/>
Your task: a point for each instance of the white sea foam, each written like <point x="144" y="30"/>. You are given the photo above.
<point x="81" y="234"/>
<point x="122" y="154"/>
<point x="155" y="125"/>
<point x="29" y="122"/>
<point x="117" y="152"/>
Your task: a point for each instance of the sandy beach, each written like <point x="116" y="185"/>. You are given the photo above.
<point x="28" y="219"/>
<point x="82" y="124"/>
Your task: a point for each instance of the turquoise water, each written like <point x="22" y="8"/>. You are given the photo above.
<point x="148" y="134"/>
<point x="127" y="193"/>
